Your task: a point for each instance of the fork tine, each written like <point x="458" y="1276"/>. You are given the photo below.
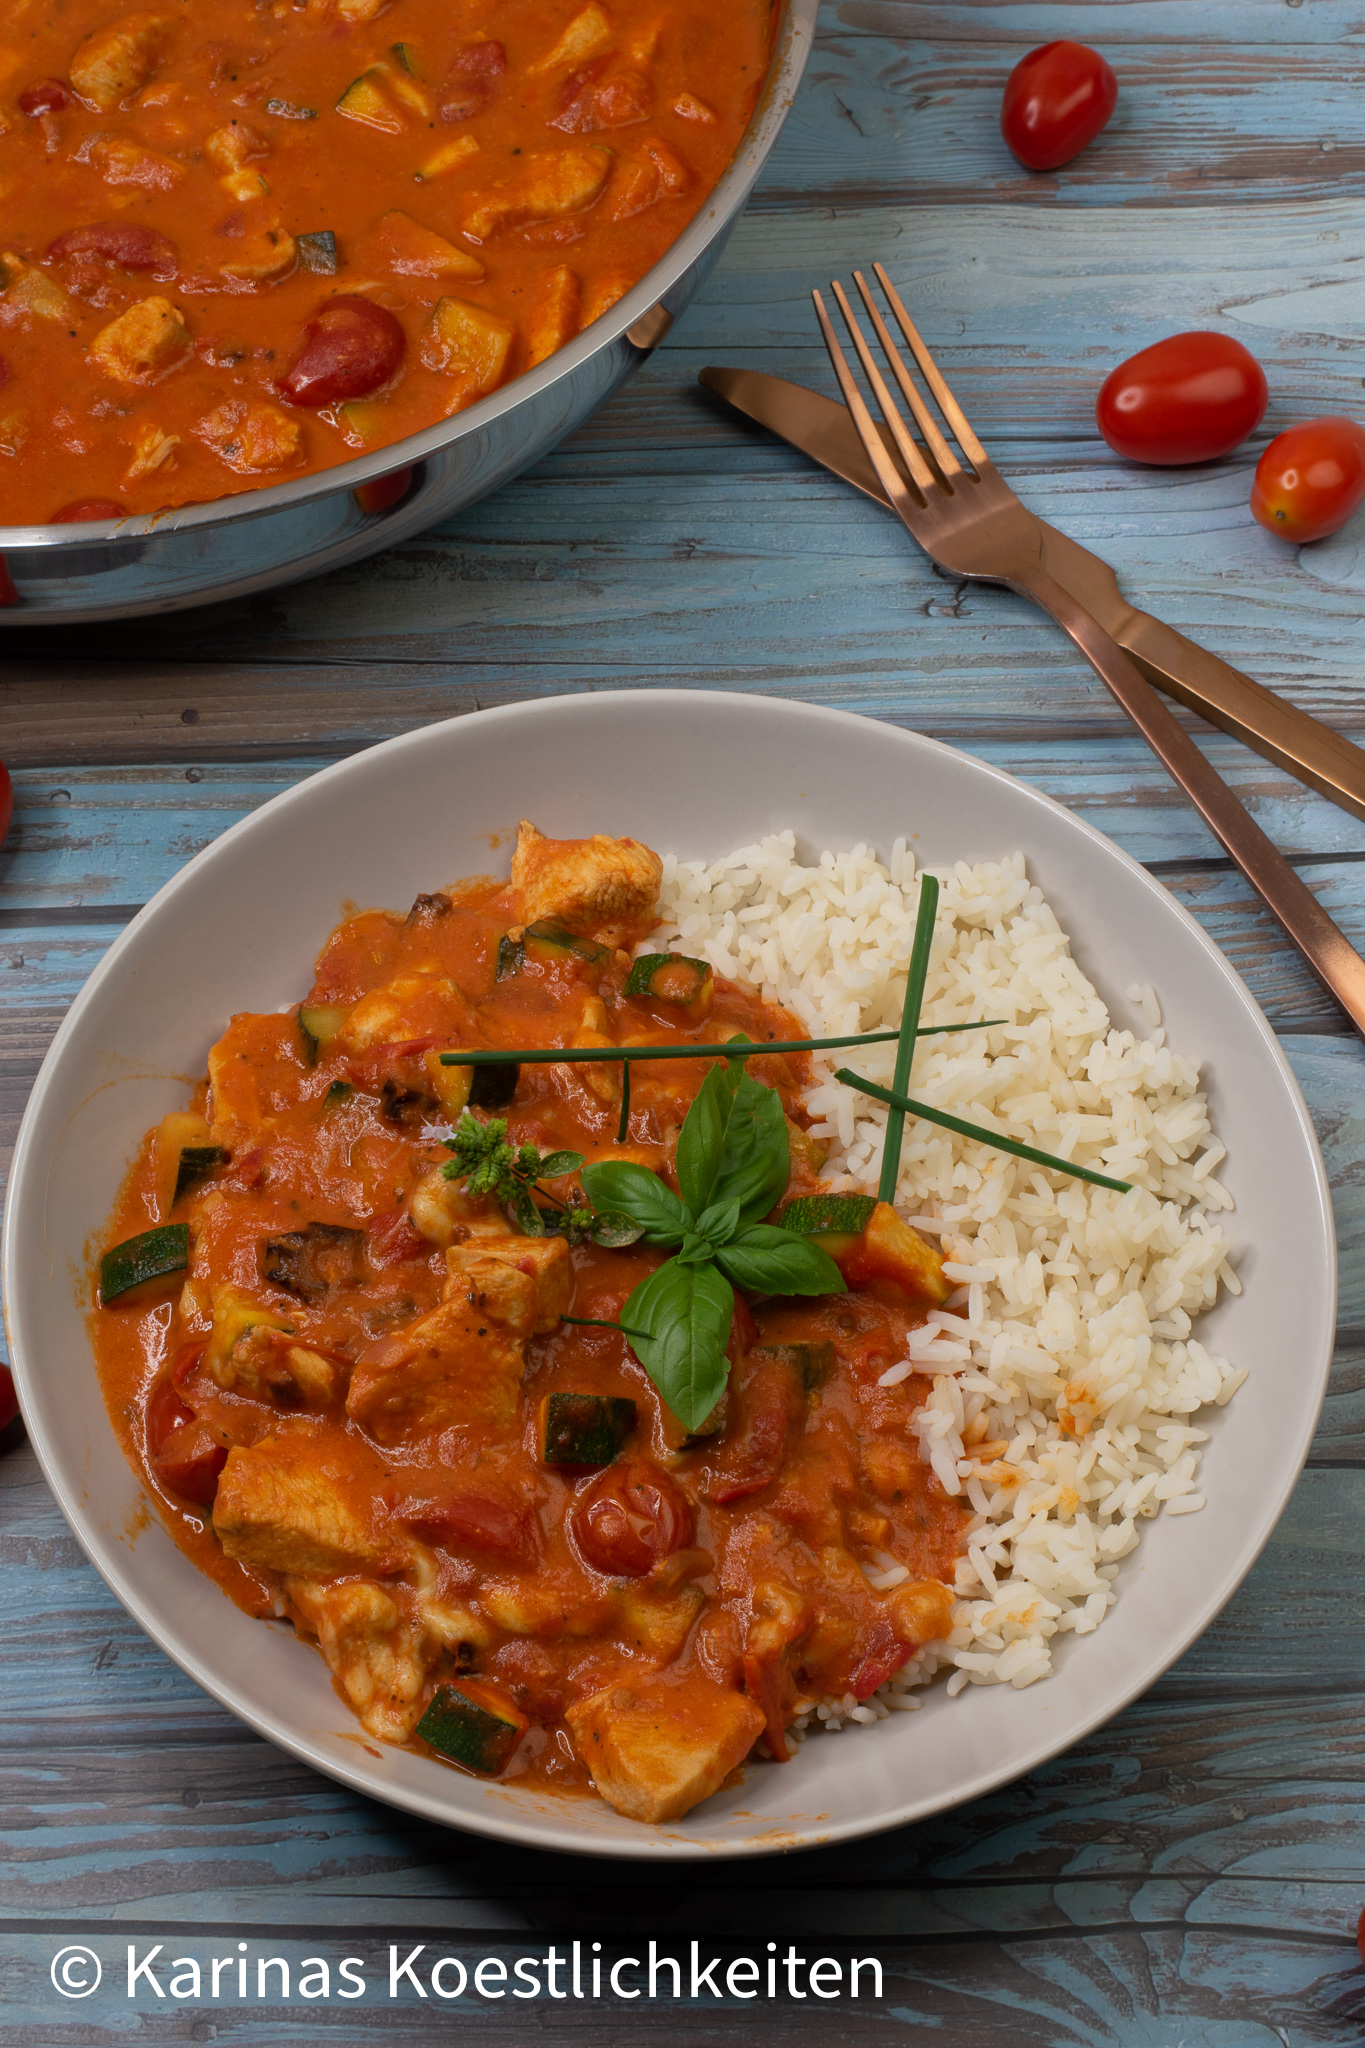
<point x="910" y="452"/>
<point x="878" y="454"/>
<point x="939" y="451"/>
<point x="948" y="405"/>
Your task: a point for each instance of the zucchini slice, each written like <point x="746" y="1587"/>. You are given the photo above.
<point x="339" y="1092"/>
<point x="450" y="1085"/>
<point x="811" y="1364"/>
<point x="319" y="1024"/>
<point x="145" y="1267"/>
<point x="366" y="100"/>
<point x="550" y="942"/>
<point x="185" y="1154"/>
<point x="318" y="252"/>
<point x="511" y="953"/>
<point x="674" y="978"/>
<point x="491" y="1087"/>
<point x="868" y="1241"/>
<point x="474" y="1725"/>
<point x="848" y="1215"/>
<point x="585" y="1429"/>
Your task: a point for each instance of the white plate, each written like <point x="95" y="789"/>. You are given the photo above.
<point x="701" y="774"/>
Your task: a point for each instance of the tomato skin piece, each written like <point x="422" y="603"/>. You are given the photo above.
<point x="1057" y="99"/>
<point x="351" y="347"/>
<point x="47" y="98"/>
<point x="473" y="1519"/>
<point x="9" y="1400"/>
<point x="1187" y="399"/>
<point x="630" y="1517"/>
<point x="86" y="510"/>
<point x="185" y="1457"/>
<point x="1310" y="479"/>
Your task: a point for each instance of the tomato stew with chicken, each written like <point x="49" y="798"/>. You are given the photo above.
<point x="239" y="249"/>
<point x="386" y="1392"/>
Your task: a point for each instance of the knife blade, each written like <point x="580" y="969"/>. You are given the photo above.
<point x="1294" y="740"/>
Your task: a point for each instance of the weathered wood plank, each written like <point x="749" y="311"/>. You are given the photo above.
<point x="1244" y="23"/>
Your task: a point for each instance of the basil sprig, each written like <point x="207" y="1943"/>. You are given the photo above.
<point x="732" y="1164"/>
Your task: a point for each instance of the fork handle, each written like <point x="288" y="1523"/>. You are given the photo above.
<point x="1323" y="944"/>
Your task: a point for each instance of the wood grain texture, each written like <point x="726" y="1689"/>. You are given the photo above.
<point x="1192" y="1873"/>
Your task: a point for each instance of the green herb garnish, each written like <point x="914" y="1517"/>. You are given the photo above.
<point x="732" y="1165"/>
<point x="905" y="1043"/>
<point x="488" y="1165"/>
<point x="500" y="1056"/>
<point x="965" y="1130"/>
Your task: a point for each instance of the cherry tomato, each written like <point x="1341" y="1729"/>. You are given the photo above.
<point x="1185" y="399"/>
<point x="121" y="242"/>
<point x="632" y="1515"/>
<point x="477" y="1521"/>
<point x="6" y="801"/>
<point x="351" y="347"/>
<point x="1056" y="101"/>
<point x="1310" y="479"/>
<point x="470" y="82"/>
<point x="9" y="1400"/>
<point x="86" y="509"/>
<point x="185" y="1456"/>
<point x="48" y="98"/>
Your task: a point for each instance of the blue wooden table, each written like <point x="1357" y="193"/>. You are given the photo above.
<point x="1193" y="1873"/>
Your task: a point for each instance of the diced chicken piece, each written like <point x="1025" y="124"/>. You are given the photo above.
<point x="604" y="289"/>
<point x="688" y="107"/>
<point x="584" y="883"/>
<point x="251" y="436"/>
<point x="548" y="186"/>
<point x="242" y="1355"/>
<point x="127" y="163"/>
<point x="262" y="258"/>
<point x="656" y="1748"/>
<point x="412" y="1006"/>
<point x="544" y="1262"/>
<point x="545" y="1606"/>
<point x="115" y="61"/>
<point x="594" y="99"/>
<point x="467" y="342"/>
<point x="151" y="448"/>
<point x="590" y="34"/>
<point x="402" y="245"/>
<point x="358" y="12"/>
<point x="380" y="1655"/>
<point x="656" y="1623"/>
<point x="653" y="173"/>
<point x="142" y="344"/>
<point x="227" y="149"/>
<point x="556" y="317"/>
<point x="280" y="1507"/>
<point x="34" y="291"/>
<point x="442" y="1211"/>
<point x="459" y="1365"/>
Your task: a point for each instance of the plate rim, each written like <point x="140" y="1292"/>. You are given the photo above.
<point x="534" y="1831"/>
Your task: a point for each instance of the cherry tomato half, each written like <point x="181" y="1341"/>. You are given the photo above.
<point x="1310" y="479"/>
<point x="9" y="1400"/>
<point x="351" y="347"/>
<point x="1185" y="399"/>
<point x="632" y="1515"/>
<point x="1056" y="101"/>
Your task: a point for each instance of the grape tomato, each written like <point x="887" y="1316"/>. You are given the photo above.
<point x="631" y="1515"/>
<point x="1189" y="398"/>
<point x="1057" y="99"/>
<point x="1310" y="479"/>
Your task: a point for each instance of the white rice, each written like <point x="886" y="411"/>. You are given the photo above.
<point x="1066" y="1377"/>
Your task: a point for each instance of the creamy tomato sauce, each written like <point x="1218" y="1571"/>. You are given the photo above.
<point x="238" y="247"/>
<point x="341" y="1403"/>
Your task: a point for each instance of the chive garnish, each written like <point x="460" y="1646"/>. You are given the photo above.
<point x="906" y="1107"/>
<point x="623" y="1128"/>
<point x="502" y="1056"/>
<point x="909" y="1031"/>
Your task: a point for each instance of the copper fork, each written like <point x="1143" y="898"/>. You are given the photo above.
<point x="968" y="520"/>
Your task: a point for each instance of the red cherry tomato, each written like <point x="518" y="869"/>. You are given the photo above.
<point x="475" y="1520"/>
<point x="86" y="509"/>
<point x="6" y="801"/>
<point x="120" y="242"/>
<point x="1057" y="99"/>
<point x="1310" y="479"/>
<point x="185" y="1456"/>
<point x="1185" y="399"/>
<point x="9" y="1400"/>
<point x="632" y="1515"/>
<point x="48" y="98"/>
<point x="351" y="347"/>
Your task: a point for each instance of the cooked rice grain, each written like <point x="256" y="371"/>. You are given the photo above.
<point x="1068" y="1346"/>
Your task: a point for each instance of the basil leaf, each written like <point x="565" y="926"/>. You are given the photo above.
<point x="627" y="1190"/>
<point x="695" y="1250"/>
<point x="719" y="1223"/>
<point x="556" y="1163"/>
<point x="756" y="1160"/>
<point x="701" y="1141"/>
<point x="527" y="1214"/>
<point x="681" y="1316"/>
<point x="767" y="1260"/>
<point x="613" y="1231"/>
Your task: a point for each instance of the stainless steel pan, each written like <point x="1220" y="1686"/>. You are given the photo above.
<point x="124" y="568"/>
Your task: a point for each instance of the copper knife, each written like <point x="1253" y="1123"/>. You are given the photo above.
<point x="1292" y="739"/>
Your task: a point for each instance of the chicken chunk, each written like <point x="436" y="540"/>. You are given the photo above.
<point x="467" y="342"/>
<point x="283" y="1506"/>
<point x="412" y="1006"/>
<point x="458" y="1365"/>
<point x="653" y="173"/>
<point x="443" y="1212"/>
<point x="494" y="1273"/>
<point x="657" y="1747"/>
<point x="120" y="162"/>
<point x="119" y="59"/>
<point x="380" y="1655"/>
<point x="143" y="343"/>
<point x="585" y="883"/>
<point x="227" y="149"/>
<point x="549" y="185"/>
<point x="408" y="249"/>
<point x="251" y="437"/>
<point x="555" y="319"/>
